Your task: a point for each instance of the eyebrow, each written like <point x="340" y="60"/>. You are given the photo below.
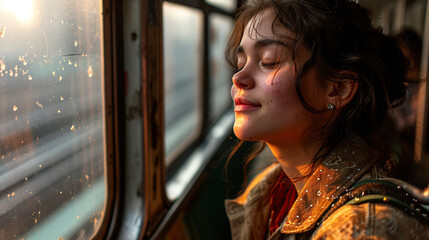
<point x="262" y="43"/>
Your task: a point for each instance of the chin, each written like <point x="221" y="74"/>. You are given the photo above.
<point x="243" y="135"/>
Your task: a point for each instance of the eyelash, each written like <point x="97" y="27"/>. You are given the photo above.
<point x="270" y="64"/>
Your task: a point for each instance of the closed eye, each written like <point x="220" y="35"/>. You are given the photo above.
<point x="270" y="65"/>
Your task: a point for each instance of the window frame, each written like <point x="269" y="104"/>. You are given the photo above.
<point x="158" y="210"/>
<point x="113" y="70"/>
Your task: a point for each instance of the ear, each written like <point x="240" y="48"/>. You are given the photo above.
<point x="342" y="91"/>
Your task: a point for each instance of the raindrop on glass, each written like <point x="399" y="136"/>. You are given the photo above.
<point x="90" y="72"/>
<point x="2" y="66"/>
<point x="2" y="31"/>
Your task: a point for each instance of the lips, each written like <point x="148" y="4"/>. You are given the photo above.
<point x="243" y="104"/>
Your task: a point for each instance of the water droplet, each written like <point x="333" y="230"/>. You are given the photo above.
<point x="318" y="179"/>
<point x="15" y="108"/>
<point x="2" y="31"/>
<point x="90" y="72"/>
<point x="319" y="193"/>
<point x="2" y="66"/>
<point x="39" y="104"/>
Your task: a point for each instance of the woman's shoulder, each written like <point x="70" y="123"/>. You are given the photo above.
<point x="372" y="221"/>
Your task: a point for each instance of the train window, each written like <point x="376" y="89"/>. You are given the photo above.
<point x="182" y="35"/>
<point x="415" y="16"/>
<point x="220" y="71"/>
<point x="224" y="4"/>
<point x="52" y="151"/>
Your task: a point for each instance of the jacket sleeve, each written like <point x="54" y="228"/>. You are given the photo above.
<point x="371" y="221"/>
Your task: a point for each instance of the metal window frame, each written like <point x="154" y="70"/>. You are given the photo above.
<point x="422" y="110"/>
<point x="158" y="210"/>
<point x="113" y="98"/>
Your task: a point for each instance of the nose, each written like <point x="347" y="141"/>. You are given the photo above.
<point x="243" y="79"/>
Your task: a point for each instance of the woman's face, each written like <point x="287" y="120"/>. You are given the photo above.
<point x="266" y="103"/>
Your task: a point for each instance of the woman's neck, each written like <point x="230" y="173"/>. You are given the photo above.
<point x="295" y="161"/>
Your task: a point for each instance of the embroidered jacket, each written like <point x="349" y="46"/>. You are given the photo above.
<point x="249" y="213"/>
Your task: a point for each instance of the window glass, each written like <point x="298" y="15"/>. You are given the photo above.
<point x="228" y="5"/>
<point x="220" y="71"/>
<point x="52" y="155"/>
<point x="182" y="33"/>
<point x="415" y="16"/>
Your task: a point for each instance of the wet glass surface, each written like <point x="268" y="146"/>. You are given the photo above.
<point x="52" y="156"/>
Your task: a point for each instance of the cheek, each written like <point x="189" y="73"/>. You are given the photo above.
<point x="280" y="91"/>
<point x="233" y="91"/>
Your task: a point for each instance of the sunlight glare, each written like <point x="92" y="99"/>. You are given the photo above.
<point x="21" y="9"/>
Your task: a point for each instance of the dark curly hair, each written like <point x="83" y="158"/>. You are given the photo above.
<point x="341" y="39"/>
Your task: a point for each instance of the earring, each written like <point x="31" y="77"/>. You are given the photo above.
<point x="331" y="106"/>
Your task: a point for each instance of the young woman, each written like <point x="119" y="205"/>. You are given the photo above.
<point x="314" y="82"/>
